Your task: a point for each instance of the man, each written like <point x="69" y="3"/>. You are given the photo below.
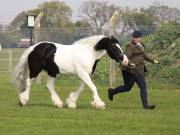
<point x="135" y="53"/>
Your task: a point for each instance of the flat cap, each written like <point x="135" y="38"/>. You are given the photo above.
<point x="136" y="33"/>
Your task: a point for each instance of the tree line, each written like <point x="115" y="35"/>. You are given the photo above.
<point x="96" y="15"/>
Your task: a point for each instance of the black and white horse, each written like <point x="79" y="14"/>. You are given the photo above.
<point x="80" y="59"/>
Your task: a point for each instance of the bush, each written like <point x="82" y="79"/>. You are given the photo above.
<point x="177" y="54"/>
<point x="172" y="73"/>
<point x="101" y="71"/>
<point x="166" y="60"/>
<point x="166" y="34"/>
<point x="176" y="48"/>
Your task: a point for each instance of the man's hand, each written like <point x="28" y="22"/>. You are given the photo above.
<point x="156" y="62"/>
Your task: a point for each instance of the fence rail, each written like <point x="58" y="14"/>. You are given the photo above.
<point x="8" y="59"/>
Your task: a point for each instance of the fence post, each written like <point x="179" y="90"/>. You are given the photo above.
<point x="36" y="38"/>
<point x="10" y="60"/>
<point x="112" y="62"/>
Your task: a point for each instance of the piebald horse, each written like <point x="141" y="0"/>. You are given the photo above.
<point x="80" y="59"/>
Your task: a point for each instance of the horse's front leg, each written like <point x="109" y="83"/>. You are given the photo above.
<point x="97" y="102"/>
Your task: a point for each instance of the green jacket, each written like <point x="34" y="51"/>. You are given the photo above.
<point x="136" y="55"/>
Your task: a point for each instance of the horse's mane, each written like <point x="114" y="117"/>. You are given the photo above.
<point x="93" y="40"/>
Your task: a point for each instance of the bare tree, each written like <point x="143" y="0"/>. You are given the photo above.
<point x="97" y="13"/>
<point x="164" y="13"/>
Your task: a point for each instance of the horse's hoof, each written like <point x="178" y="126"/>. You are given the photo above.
<point x="70" y="102"/>
<point x="59" y="105"/>
<point x="23" y="99"/>
<point x="57" y="102"/>
<point x="100" y="105"/>
<point x="22" y="103"/>
<point x="71" y="105"/>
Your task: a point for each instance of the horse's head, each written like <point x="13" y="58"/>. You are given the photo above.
<point x="113" y="49"/>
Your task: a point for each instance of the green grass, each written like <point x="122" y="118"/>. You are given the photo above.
<point x="123" y="116"/>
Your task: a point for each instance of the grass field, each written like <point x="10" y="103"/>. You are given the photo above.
<point x="123" y="116"/>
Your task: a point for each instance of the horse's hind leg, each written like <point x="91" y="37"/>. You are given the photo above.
<point x="73" y="96"/>
<point x="55" y="98"/>
<point x="34" y="69"/>
<point x="24" y="96"/>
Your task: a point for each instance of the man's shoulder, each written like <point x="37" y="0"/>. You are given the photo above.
<point x="130" y="45"/>
<point x="143" y="44"/>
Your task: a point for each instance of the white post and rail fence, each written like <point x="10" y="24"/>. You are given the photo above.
<point x="7" y="61"/>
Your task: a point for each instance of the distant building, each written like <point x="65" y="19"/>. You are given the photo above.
<point x="24" y="42"/>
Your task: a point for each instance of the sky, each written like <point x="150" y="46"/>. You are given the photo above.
<point x="10" y="8"/>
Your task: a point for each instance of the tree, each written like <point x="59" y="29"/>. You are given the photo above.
<point x="131" y="19"/>
<point x="82" y="23"/>
<point x="162" y="13"/>
<point x="20" y="21"/>
<point x="97" y="13"/>
<point x="140" y="20"/>
<point x="56" y="14"/>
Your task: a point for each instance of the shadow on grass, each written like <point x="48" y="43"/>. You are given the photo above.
<point x="37" y="105"/>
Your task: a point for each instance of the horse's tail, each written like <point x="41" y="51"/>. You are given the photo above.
<point x="20" y="73"/>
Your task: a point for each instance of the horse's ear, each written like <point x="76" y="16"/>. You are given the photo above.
<point x="112" y="37"/>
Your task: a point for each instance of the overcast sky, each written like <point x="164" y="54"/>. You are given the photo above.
<point x="10" y="8"/>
